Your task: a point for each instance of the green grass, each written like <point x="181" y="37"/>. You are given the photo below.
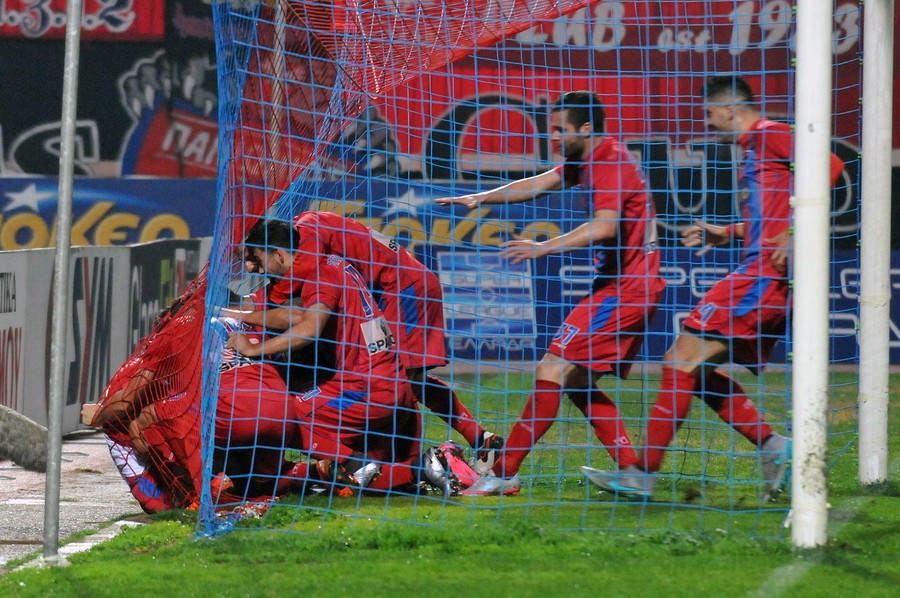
<point x="705" y="534"/>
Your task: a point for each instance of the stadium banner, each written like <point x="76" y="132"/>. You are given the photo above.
<point x="159" y="272"/>
<point x="123" y="20"/>
<point x="13" y="285"/>
<point x="105" y="211"/>
<point x="96" y="312"/>
<point x="116" y="293"/>
<point x="119" y="211"/>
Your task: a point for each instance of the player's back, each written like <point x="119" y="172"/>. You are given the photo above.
<point x="362" y="341"/>
<point x="382" y="261"/>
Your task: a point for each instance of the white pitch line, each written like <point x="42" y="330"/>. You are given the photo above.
<point x="67" y="550"/>
<point x="783" y="578"/>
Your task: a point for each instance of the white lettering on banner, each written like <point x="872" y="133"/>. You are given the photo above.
<point x="703" y="277"/>
<point x="674" y="275"/>
<point x="745" y="28"/>
<point x="37" y="18"/>
<point x="492" y="344"/>
<point x="578" y="277"/>
<point x="849" y="278"/>
<point x="197" y="146"/>
<point x="10" y="362"/>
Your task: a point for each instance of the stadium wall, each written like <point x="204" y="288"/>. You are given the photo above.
<point x="116" y="292"/>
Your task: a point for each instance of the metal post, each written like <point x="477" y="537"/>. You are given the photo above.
<point x="875" y="235"/>
<point x="61" y="284"/>
<point x="812" y="249"/>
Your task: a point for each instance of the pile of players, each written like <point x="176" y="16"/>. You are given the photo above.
<point x="311" y="363"/>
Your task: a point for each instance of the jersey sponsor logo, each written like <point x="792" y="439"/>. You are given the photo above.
<point x="377" y="335"/>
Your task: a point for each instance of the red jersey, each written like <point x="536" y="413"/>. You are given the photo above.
<point x="382" y="261"/>
<point x="766" y="183"/>
<point x="615" y="182"/>
<point x="361" y="338"/>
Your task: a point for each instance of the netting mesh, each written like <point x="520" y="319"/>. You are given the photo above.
<point x="344" y="122"/>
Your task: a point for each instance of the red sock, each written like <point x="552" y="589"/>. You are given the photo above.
<point x="672" y="405"/>
<point x="394" y="475"/>
<point x="726" y="396"/>
<point x="537" y="417"/>
<point x="603" y="414"/>
<point x="440" y="398"/>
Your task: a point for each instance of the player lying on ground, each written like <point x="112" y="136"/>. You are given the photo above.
<point x="604" y="332"/>
<point x="410" y="297"/>
<point x="742" y="317"/>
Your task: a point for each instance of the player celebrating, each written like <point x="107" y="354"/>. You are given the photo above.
<point x="365" y="405"/>
<point x="604" y="331"/>
<point x="411" y="299"/>
<point x="741" y="317"/>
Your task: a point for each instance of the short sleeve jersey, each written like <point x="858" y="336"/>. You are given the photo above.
<point x="361" y="339"/>
<point x="765" y="192"/>
<point x="766" y="183"/>
<point x="382" y="261"/>
<point x="615" y="182"/>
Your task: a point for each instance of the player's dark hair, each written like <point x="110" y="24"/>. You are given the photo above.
<point x="731" y="85"/>
<point x="273" y="234"/>
<point x="582" y="107"/>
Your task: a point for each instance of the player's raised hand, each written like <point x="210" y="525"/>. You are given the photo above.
<point x="782" y="244"/>
<point x="705" y="235"/>
<point x="521" y="249"/>
<point x="473" y="200"/>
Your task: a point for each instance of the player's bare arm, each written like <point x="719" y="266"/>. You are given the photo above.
<point x="276" y="318"/>
<point x="601" y="228"/>
<point x="515" y="192"/>
<point x="706" y="236"/>
<point x="121" y="406"/>
<point x="306" y="326"/>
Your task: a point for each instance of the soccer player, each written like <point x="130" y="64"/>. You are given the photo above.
<point x="742" y="316"/>
<point x="604" y="331"/>
<point x="365" y="406"/>
<point x="411" y="299"/>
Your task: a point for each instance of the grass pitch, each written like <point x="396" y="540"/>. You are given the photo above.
<point x="705" y="534"/>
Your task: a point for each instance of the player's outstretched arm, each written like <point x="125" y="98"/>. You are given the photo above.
<point x="275" y="318"/>
<point x="706" y="236"/>
<point x="515" y="192"/>
<point x="601" y="228"/>
<point x="306" y="326"/>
